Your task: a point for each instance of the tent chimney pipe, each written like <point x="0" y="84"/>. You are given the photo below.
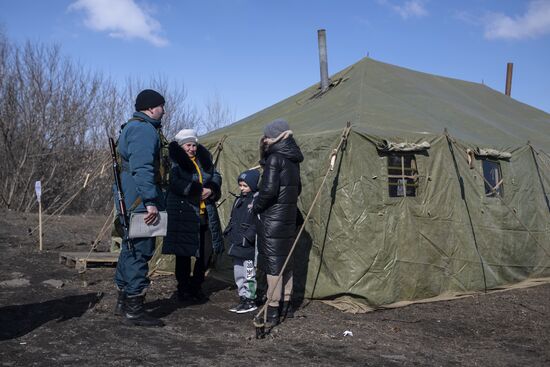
<point x="322" y="38"/>
<point x="509" y="69"/>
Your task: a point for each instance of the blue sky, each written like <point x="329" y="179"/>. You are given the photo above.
<point x="253" y="54"/>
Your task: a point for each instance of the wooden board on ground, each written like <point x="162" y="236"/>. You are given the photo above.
<point x="82" y="260"/>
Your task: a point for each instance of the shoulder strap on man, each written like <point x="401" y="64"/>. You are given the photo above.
<point x="134" y="118"/>
<point x="164" y="157"/>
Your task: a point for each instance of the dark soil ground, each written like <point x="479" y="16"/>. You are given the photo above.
<point x="73" y="325"/>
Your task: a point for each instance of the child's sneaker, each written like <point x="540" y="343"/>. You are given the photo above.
<point x="238" y="306"/>
<point x="248" y="305"/>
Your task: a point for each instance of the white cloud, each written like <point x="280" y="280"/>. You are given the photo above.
<point x="121" y="18"/>
<point x="535" y="22"/>
<point x="466" y="17"/>
<point x="409" y="9"/>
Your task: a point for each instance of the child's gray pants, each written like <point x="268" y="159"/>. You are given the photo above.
<point x="245" y="277"/>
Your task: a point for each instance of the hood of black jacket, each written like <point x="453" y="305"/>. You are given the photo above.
<point x="288" y="149"/>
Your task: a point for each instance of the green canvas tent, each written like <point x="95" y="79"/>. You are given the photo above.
<point x="442" y="188"/>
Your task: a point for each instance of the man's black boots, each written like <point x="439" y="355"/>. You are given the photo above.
<point x="135" y="313"/>
<point x="119" y="307"/>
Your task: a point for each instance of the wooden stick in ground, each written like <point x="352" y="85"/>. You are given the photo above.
<point x="40" y="224"/>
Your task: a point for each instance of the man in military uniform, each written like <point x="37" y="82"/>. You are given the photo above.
<point x="139" y="148"/>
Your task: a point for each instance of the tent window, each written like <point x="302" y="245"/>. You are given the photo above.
<point x="493" y="178"/>
<point x="402" y="175"/>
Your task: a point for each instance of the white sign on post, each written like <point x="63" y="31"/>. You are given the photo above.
<point x="38" y="190"/>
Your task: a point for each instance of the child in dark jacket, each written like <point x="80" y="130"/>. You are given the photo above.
<point x="241" y="236"/>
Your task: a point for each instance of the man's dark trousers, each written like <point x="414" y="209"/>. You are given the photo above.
<point x="133" y="266"/>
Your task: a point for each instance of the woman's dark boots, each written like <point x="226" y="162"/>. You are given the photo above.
<point x="119" y="306"/>
<point x="272" y="316"/>
<point x="135" y="314"/>
<point x="287" y="310"/>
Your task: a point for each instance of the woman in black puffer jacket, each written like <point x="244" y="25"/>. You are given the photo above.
<point x="276" y="204"/>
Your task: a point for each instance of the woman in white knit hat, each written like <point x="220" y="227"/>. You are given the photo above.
<point x="194" y="227"/>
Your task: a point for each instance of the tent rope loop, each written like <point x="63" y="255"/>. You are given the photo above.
<point x="341" y="146"/>
<point x="218" y="149"/>
<point x="470" y="159"/>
